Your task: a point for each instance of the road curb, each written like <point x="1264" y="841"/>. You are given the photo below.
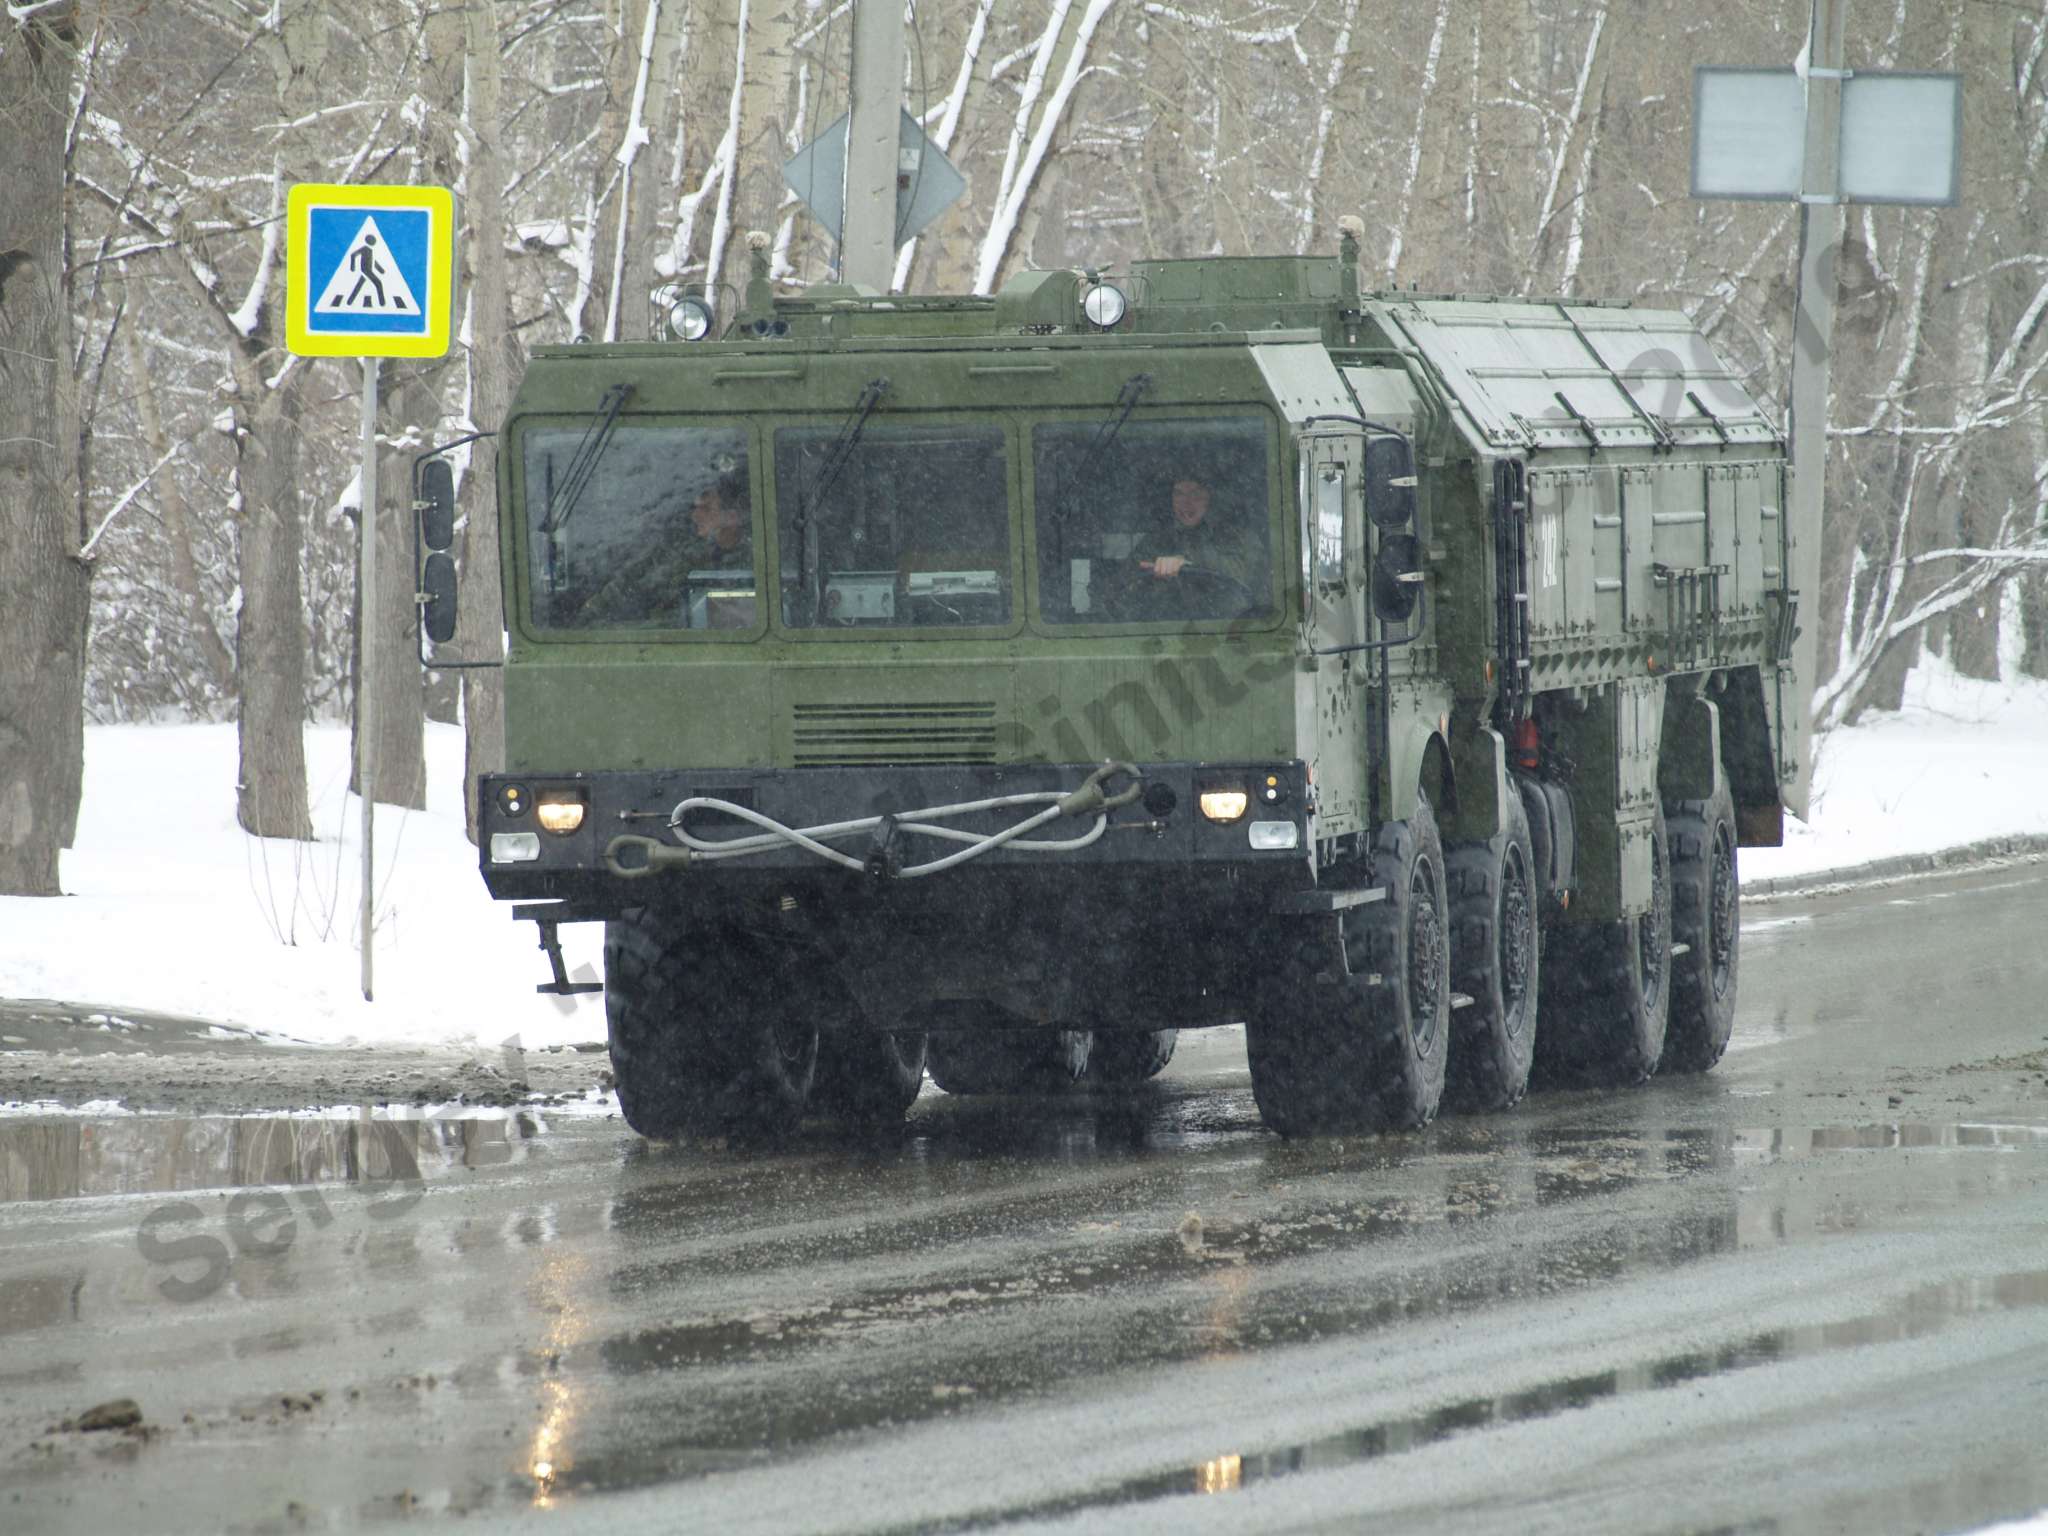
<point x="2015" y="848"/>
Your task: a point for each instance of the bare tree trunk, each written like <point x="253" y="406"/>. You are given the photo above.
<point x="395" y="677"/>
<point x="661" y="90"/>
<point x="177" y="521"/>
<point x="757" y="198"/>
<point x="45" y="588"/>
<point x="1059" y="61"/>
<point x="270" y="646"/>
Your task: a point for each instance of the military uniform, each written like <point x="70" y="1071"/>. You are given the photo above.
<point x="648" y="590"/>
<point x="1219" y="545"/>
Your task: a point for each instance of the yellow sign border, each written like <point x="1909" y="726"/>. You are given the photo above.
<point x="439" y="305"/>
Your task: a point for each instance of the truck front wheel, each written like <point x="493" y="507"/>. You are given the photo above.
<point x="1353" y="1030"/>
<point x="1124" y="1058"/>
<point x="1494" y="961"/>
<point x="702" y="1042"/>
<point x="868" y="1077"/>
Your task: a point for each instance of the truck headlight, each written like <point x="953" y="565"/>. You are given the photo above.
<point x="515" y="847"/>
<point x="560" y="811"/>
<point x="1224" y="804"/>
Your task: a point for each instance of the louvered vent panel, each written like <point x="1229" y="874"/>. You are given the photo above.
<point x="844" y="735"/>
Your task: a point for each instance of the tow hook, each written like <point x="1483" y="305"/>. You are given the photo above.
<point x="654" y="856"/>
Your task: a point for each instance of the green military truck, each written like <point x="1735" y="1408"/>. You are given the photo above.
<point x="994" y="686"/>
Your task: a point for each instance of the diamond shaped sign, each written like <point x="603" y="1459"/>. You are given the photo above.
<point x="927" y="184"/>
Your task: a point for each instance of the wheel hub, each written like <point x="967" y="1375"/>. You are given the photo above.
<point x="1654" y="933"/>
<point x="1516" y="940"/>
<point x="1721" y="912"/>
<point x="1425" y="957"/>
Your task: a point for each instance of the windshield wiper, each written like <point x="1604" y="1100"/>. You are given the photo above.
<point x="813" y="495"/>
<point x="1135" y="389"/>
<point x="583" y="463"/>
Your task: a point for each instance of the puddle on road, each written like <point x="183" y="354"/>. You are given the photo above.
<point x="1318" y="1198"/>
<point x="1795" y="1143"/>
<point x="61" y="1159"/>
<point x="1922" y="1311"/>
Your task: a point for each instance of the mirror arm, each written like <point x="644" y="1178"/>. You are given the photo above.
<point x="1414" y="633"/>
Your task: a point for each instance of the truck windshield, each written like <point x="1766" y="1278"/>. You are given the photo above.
<point x="663" y="536"/>
<point x="914" y="531"/>
<point x="1170" y="523"/>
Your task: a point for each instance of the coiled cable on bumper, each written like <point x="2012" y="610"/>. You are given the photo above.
<point x="1090" y="799"/>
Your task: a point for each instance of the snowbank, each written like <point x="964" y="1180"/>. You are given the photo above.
<point x="1962" y="761"/>
<point x="174" y="908"/>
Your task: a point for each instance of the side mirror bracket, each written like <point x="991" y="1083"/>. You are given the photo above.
<point x="433" y="501"/>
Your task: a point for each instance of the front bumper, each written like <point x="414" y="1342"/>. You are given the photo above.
<point x="1161" y="833"/>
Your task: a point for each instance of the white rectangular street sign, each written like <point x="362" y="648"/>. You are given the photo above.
<point x="1748" y="132"/>
<point x="1901" y="139"/>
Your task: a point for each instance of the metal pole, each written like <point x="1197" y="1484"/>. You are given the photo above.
<point x="1820" y="235"/>
<point x="366" y="632"/>
<point x="867" y="246"/>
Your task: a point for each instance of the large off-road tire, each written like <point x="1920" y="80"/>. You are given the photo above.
<point x="867" y="1077"/>
<point x="703" y="1043"/>
<point x="1007" y="1061"/>
<point x="1124" y="1058"/>
<point x="1706" y="918"/>
<point x="1352" y="1030"/>
<point x="1495" y="945"/>
<point x="1607" y="990"/>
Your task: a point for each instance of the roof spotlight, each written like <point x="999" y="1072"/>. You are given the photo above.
<point x="1104" y="305"/>
<point x="690" y="319"/>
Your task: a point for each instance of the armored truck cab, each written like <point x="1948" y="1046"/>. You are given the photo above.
<point x="997" y="685"/>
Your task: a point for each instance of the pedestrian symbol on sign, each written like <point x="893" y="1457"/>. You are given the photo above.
<point x="366" y="282"/>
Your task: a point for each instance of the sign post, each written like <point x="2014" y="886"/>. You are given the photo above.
<point x="1824" y="136"/>
<point x="369" y="273"/>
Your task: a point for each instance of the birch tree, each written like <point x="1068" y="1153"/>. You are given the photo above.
<point x="1059" y="63"/>
<point x="44" y="581"/>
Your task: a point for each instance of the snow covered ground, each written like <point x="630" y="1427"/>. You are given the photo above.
<point x="173" y="908"/>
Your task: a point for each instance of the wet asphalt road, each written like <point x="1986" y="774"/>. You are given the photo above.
<point x="1807" y="1292"/>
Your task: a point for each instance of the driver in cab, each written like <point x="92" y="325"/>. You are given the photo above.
<point x="1199" y="542"/>
<point x="714" y="535"/>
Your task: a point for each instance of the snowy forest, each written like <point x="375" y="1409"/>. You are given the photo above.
<point x="179" y="495"/>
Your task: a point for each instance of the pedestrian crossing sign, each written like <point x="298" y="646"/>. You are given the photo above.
<point x="369" y="271"/>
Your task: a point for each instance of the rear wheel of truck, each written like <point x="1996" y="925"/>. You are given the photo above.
<point x="867" y="1077"/>
<point x="1354" y="1028"/>
<point x="1706" y="919"/>
<point x="1607" y="990"/>
<point x="1007" y="1061"/>
<point x="702" y="1042"/>
<point x="1495" y="962"/>
<point x="1124" y="1058"/>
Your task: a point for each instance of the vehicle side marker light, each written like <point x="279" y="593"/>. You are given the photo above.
<point x="1270" y="835"/>
<point x="515" y="847"/>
